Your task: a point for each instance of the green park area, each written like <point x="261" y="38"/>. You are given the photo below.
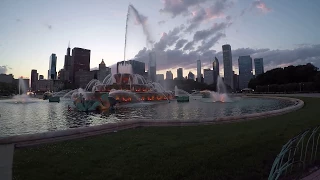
<point x="244" y="150"/>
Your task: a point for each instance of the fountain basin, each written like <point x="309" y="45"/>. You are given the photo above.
<point x="183" y="99"/>
<point x="41" y="116"/>
<point x="63" y="133"/>
<point x="54" y="99"/>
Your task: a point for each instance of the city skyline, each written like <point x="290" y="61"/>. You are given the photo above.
<point x="250" y="27"/>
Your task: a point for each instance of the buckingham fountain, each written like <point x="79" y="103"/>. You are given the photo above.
<point x="123" y="87"/>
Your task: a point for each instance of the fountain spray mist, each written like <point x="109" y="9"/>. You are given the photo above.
<point x="141" y="21"/>
<point x="125" y="36"/>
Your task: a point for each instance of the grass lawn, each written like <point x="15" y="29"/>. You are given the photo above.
<point x="243" y="150"/>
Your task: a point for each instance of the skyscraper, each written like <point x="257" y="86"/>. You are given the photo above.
<point x="68" y="66"/>
<point x="227" y="65"/>
<point x="215" y="68"/>
<point x="80" y="60"/>
<point x="152" y="67"/>
<point x="67" y="60"/>
<point x="137" y="66"/>
<point x="245" y="71"/>
<point x="103" y="71"/>
<point x="235" y="81"/>
<point x="34" y="79"/>
<point x="180" y="73"/>
<point x="160" y="77"/>
<point x="208" y="76"/>
<point x="258" y="66"/>
<point x="169" y="75"/>
<point x="52" y="73"/>
<point x="199" y="70"/>
<point x="191" y="75"/>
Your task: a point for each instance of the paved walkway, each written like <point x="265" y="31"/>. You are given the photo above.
<point x="6" y="158"/>
<point x="294" y="95"/>
<point x="313" y="176"/>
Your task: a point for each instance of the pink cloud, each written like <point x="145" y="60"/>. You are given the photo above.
<point x="261" y="6"/>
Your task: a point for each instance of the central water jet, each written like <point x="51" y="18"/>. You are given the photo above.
<point x="140" y="20"/>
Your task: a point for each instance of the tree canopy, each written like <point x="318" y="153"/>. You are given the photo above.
<point x="287" y="75"/>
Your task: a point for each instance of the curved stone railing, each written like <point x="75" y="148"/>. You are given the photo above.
<point x="52" y="136"/>
<point x="298" y="154"/>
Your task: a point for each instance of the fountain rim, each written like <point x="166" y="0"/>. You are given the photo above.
<point x="69" y="134"/>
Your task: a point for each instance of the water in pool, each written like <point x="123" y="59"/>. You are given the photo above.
<point x="41" y="116"/>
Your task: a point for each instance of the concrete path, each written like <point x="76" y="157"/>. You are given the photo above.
<point x="294" y="95"/>
<point x="6" y="158"/>
<point x="314" y="176"/>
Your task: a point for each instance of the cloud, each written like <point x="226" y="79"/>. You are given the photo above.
<point x="272" y="57"/>
<point x="4" y="69"/>
<point x="48" y="26"/>
<point x="300" y="55"/>
<point x="180" y="43"/>
<point x="243" y="12"/>
<point x="18" y="20"/>
<point x="258" y="4"/>
<point x="186" y="56"/>
<point x="161" y="22"/>
<point x="203" y="34"/>
<point x="279" y="58"/>
<point x="206" y="45"/>
<point x="189" y="46"/>
<point x="228" y="18"/>
<point x="174" y="58"/>
<point x="212" y="12"/>
<point x="169" y="39"/>
<point x="178" y="7"/>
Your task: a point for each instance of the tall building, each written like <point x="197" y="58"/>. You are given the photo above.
<point x="80" y="60"/>
<point x="227" y="65"/>
<point x="137" y="67"/>
<point x="235" y="81"/>
<point x="34" y="79"/>
<point x="63" y="75"/>
<point x="215" y="68"/>
<point x="208" y="76"/>
<point x="6" y="78"/>
<point x="245" y="71"/>
<point x="152" y="67"/>
<point x="49" y="85"/>
<point x="82" y="78"/>
<point x="169" y="75"/>
<point x="191" y="75"/>
<point x="52" y="72"/>
<point x="258" y="66"/>
<point x="160" y="77"/>
<point x="199" y="70"/>
<point x="180" y="73"/>
<point x="103" y="71"/>
<point x="68" y="66"/>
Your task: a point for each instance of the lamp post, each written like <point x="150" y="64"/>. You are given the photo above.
<point x="300" y="87"/>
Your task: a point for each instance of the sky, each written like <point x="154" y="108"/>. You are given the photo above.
<point x="283" y="32"/>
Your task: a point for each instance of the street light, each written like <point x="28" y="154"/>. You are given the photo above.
<point x="300" y="87"/>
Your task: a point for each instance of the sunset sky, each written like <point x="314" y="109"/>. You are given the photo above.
<point x="283" y="32"/>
